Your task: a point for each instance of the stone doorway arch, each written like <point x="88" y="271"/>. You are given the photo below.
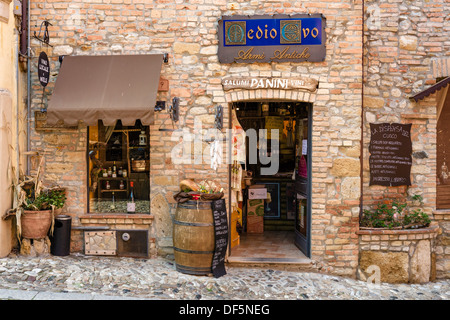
<point x="237" y="95"/>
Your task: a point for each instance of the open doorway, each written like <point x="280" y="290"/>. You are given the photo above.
<point x="274" y="213"/>
<point x="443" y="150"/>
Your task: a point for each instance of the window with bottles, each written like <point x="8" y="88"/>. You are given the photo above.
<point x="118" y="164"/>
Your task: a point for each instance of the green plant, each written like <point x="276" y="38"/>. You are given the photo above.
<point x="417" y="218"/>
<point x="29" y="193"/>
<point x="46" y="200"/>
<point x="384" y="216"/>
<point x="395" y="215"/>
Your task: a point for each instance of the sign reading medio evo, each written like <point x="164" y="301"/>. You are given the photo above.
<point x="278" y="38"/>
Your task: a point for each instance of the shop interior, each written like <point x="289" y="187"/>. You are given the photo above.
<point x="265" y="228"/>
<point x="119" y="163"/>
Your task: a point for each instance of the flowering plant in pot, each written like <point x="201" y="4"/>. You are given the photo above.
<point x="395" y="215"/>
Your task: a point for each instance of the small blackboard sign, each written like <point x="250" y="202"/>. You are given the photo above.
<point x="221" y="237"/>
<point x="43" y="69"/>
<point x="390" y="154"/>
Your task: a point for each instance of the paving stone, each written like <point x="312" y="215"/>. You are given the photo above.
<point x="79" y="277"/>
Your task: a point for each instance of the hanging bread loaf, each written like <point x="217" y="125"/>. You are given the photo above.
<point x="188" y="185"/>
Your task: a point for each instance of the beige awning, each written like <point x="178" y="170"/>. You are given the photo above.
<point x="107" y="88"/>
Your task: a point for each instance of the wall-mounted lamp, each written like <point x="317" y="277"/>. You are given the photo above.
<point x="174" y="112"/>
<point x="166" y="58"/>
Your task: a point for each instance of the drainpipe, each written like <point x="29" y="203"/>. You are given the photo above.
<point x="18" y="40"/>
<point x="362" y="117"/>
<point x="28" y="82"/>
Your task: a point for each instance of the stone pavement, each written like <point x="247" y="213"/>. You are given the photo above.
<point x="80" y="277"/>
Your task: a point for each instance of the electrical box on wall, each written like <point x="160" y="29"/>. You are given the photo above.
<point x="17" y="8"/>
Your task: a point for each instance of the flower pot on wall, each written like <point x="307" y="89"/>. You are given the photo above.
<point x="36" y="224"/>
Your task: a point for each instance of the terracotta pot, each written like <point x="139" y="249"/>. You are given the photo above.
<point x="36" y="224"/>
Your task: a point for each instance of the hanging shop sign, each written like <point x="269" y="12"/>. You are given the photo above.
<point x="390" y="154"/>
<point x="277" y="38"/>
<point x="250" y="83"/>
<point x="43" y="69"/>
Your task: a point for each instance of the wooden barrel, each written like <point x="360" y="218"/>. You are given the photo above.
<point x="193" y="237"/>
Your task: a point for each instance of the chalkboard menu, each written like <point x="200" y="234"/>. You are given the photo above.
<point x="221" y="237"/>
<point x="390" y="154"/>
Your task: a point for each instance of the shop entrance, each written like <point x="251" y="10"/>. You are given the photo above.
<point x="273" y="218"/>
<point x="443" y="150"/>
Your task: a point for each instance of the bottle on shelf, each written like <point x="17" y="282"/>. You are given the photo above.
<point x="131" y="205"/>
<point x="108" y="186"/>
<point x="109" y="172"/>
<point x="121" y="186"/>
<point x="124" y="173"/>
<point x="113" y="203"/>
<point x="120" y="172"/>
<point x="114" y="171"/>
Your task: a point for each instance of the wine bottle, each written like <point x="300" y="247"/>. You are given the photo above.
<point x="114" y="172"/>
<point x="113" y="204"/>
<point x="131" y="206"/>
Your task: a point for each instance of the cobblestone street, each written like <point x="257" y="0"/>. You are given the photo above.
<point x="125" y="278"/>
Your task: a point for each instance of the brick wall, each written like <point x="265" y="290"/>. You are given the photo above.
<point x="188" y="32"/>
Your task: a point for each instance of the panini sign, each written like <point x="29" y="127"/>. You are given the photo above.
<point x="278" y="38"/>
<point x="250" y="83"/>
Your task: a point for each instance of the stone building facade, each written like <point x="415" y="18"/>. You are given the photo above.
<point x="12" y="104"/>
<point x="378" y="53"/>
<point x="406" y="51"/>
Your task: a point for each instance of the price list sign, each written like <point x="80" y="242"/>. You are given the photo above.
<point x="221" y="237"/>
<point x="390" y="154"/>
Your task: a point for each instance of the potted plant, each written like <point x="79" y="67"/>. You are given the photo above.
<point x="395" y="215"/>
<point x="34" y="206"/>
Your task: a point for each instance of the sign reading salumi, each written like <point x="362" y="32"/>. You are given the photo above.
<point x="277" y="38"/>
<point x="390" y="154"/>
<point x="250" y="83"/>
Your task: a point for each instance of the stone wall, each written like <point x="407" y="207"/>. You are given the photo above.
<point x="405" y="52"/>
<point x="402" y="41"/>
<point x="443" y="244"/>
<point x="188" y="33"/>
<point x="113" y="222"/>
<point x="398" y="256"/>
